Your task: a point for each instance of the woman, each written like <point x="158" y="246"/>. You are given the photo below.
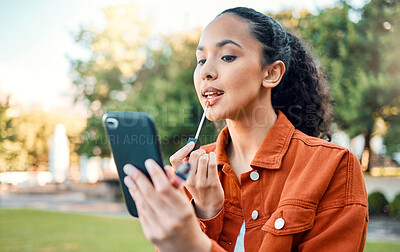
<point x="268" y="183"/>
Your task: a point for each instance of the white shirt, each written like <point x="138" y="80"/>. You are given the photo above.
<point x="239" y="246"/>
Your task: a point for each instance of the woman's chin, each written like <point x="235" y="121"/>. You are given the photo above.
<point x="214" y="119"/>
<point x="213" y="115"/>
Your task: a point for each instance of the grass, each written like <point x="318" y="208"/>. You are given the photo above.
<point x="381" y="246"/>
<point x="36" y="230"/>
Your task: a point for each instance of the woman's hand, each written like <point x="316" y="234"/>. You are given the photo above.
<point x="203" y="182"/>
<point x="167" y="217"/>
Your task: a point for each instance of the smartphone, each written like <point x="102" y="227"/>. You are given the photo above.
<point x="133" y="138"/>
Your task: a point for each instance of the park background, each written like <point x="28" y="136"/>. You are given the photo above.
<point x="63" y="64"/>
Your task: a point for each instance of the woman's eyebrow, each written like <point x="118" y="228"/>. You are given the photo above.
<point x="227" y="41"/>
<point x="221" y="44"/>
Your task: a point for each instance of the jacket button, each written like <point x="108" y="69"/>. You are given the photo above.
<point x="254" y="215"/>
<point x="254" y="175"/>
<point x="279" y="223"/>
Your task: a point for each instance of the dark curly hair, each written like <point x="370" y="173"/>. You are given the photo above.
<point x="303" y="94"/>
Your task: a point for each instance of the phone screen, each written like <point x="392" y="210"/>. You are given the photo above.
<point x="133" y="139"/>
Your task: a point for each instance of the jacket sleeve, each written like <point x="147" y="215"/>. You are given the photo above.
<point x="337" y="223"/>
<point x="212" y="227"/>
<point x="341" y="227"/>
<point x="338" y="229"/>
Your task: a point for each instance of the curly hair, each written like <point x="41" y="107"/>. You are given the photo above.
<point x="303" y="94"/>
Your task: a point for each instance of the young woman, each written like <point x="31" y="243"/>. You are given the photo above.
<point x="269" y="182"/>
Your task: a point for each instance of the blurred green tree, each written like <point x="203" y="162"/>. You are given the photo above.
<point x="357" y="47"/>
<point x="11" y="155"/>
<point x="24" y="139"/>
<point x="33" y="131"/>
<point x="391" y="138"/>
<point x="117" y="52"/>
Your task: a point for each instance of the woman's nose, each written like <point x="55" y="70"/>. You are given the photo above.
<point x="208" y="72"/>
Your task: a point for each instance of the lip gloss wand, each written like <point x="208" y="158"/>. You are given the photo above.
<point x="195" y="139"/>
<point x="182" y="171"/>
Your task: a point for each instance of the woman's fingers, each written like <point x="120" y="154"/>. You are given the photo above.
<point x="177" y="158"/>
<point x="149" y="220"/>
<point x="173" y="179"/>
<point x="161" y="192"/>
<point x="167" y="217"/>
<point x="170" y="173"/>
<point x="141" y="205"/>
<point x="143" y="185"/>
<point x="193" y="160"/>
<point x="212" y="167"/>
<point x="202" y="168"/>
<point x="160" y="180"/>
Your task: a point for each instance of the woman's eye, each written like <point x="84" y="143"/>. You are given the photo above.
<point x="228" y="58"/>
<point x="201" y="62"/>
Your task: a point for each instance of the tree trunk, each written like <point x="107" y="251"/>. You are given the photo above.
<point x="366" y="155"/>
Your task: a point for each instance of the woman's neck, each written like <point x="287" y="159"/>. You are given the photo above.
<point x="247" y="135"/>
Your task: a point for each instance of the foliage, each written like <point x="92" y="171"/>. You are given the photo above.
<point x="160" y="85"/>
<point x="118" y="51"/>
<point x="10" y="149"/>
<point x="5" y="121"/>
<point x="25" y="139"/>
<point x="360" y="58"/>
<point x="35" y="128"/>
<point x="391" y="138"/>
<point x="394" y="208"/>
<point x="377" y="203"/>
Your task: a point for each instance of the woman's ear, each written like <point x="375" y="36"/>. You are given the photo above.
<point x="273" y="74"/>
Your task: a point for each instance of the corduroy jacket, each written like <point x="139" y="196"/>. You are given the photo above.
<point x="302" y="194"/>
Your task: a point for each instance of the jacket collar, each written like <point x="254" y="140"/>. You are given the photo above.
<point x="272" y="149"/>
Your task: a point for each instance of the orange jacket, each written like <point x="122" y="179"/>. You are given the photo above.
<point x="303" y="193"/>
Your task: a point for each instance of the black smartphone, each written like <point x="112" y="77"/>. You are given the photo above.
<point x="133" y="139"/>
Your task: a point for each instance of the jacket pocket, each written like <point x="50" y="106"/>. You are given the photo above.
<point x="290" y="219"/>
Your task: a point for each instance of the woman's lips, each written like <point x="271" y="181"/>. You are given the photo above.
<point x="212" y="100"/>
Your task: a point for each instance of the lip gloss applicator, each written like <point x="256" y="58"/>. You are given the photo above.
<point x="196" y="137"/>
<point x="182" y="171"/>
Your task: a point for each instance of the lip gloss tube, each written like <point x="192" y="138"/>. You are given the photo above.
<point x="181" y="174"/>
<point x="182" y="171"/>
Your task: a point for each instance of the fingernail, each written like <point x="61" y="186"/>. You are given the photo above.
<point x="128" y="182"/>
<point x="191" y="144"/>
<point x="150" y="164"/>
<point x="128" y="169"/>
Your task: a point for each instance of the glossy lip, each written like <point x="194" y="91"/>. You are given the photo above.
<point x="213" y="99"/>
<point x="210" y="89"/>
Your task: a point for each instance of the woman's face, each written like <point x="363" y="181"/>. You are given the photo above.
<point x="229" y="74"/>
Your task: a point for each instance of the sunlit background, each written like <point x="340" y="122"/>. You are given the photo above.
<point x="63" y="64"/>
